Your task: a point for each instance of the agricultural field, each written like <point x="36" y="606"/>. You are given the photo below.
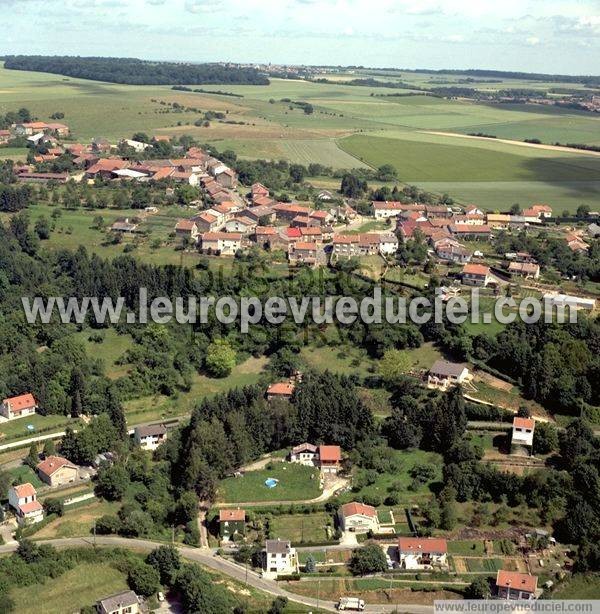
<point x="349" y="128"/>
<point x="295" y="483"/>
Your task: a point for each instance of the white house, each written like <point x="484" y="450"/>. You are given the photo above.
<point x="223" y="242"/>
<point x="388" y="243"/>
<point x="136" y="145"/>
<point x="23" y="500"/>
<point x="279" y="558"/>
<point x="17" y="407"/>
<point x="358" y="518"/>
<point x="422" y="552"/>
<point x="443" y="374"/>
<point x="126" y="602"/>
<point x="305" y="454"/>
<point x="150" y="436"/>
<point x="384" y="210"/>
<point x="522" y="434"/>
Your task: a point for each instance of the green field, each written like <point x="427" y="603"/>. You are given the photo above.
<point x="76" y="588"/>
<point x="296" y="483"/>
<point x="350" y="127"/>
<point x="24" y="474"/>
<point x="17" y="429"/>
<point x="301" y="528"/>
<point x="580" y="586"/>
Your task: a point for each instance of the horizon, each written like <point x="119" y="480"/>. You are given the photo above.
<point x="554" y="37"/>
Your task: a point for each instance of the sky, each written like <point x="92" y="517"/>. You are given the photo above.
<point x="551" y="36"/>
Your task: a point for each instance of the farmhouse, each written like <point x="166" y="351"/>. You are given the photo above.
<point x="498" y="220"/>
<point x="330" y="458"/>
<point x="302" y="252"/>
<point x="23" y="500"/>
<point x="287" y="212"/>
<point x="126" y="602"/>
<point x="150" y="436"/>
<point x="124" y="225"/>
<point x="187" y="229"/>
<point x="444" y="374"/>
<point x="422" y="552"/>
<point x="358" y="518"/>
<point x="245" y="225"/>
<point x="471" y="231"/>
<point x="258" y="189"/>
<point x="226" y="243"/>
<point x="261" y="214"/>
<point x="514" y="585"/>
<point x="538" y="212"/>
<point x="56" y="470"/>
<point x="225" y="176"/>
<point x="232" y="522"/>
<point x="280" y="390"/>
<point x="384" y="210"/>
<point x="265" y="236"/>
<point x="279" y="558"/>
<point x="476" y="275"/>
<point x="19" y="406"/>
<point x="527" y="270"/>
<point x="448" y="249"/>
<point x="522" y="435"/>
<point x="206" y="222"/>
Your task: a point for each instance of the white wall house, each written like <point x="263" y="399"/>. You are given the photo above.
<point x="17" y="407"/>
<point x="280" y="559"/>
<point x="522" y="434"/>
<point x="422" y="552"/>
<point x="23" y="500"/>
<point x="150" y="436"/>
<point x="358" y="518"/>
<point x="305" y="454"/>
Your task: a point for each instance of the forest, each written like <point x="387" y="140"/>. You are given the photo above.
<point x="136" y="72"/>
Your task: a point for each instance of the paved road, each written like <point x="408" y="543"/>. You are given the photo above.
<point x="208" y="559"/>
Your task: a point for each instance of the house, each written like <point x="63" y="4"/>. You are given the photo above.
<point x="287" y="212"/>
<point x="305" y="454"/>
<point x="593" y="230"/>
<point x="473" y="210"/>
<point x="451" y="250"/>
<point x="136" y="145"/>
<point x="225" y="243"/>
<point x="388" y="243"/>
<point x="124" y="225"/>
<point x="150" y="436"/>
<point x="5" y="136"/>
<point x="232" y="522"/>
<point x="126" y="602"/>
<point x="422" y="552"/>
<point x="265" y="235"/>
<point x="279" y="558"/>
<point x="469" y="220"/>
<point x="23" y="500"/>
<point x="322" y="217"/>
<point x="187" y="229"/>
<point x="258" y="189"/>
<point x="538" y="211"/>
<point x="444" y="373"/>
<point x="527" y="270"/>
<point x="28" y="128"/>
<point x="312" y="233"/>
<point x="358" y="518"/>
<point x="225" y="177"/>
<point x="302" y="252"/>
<point x="262" y="214"/>
<point x="514" y="585"/>
<point x="330" y="458"/>
<point x="105" y="168"/>
<point x="19" y="406"/>
<point x="207" y="222"/>
<point x="476" y="275"/>
<point x="435" y="211"/>
<point x="58" y="129"/>
<point x="263" y="201"/>
<point x="245" y="225"/>
<point x="498" y="220"/>
<point x="280" y="390"/>
<point x="383" y="209"/>
<point x="56" y="471"/>
<point x="471" y="231"/>
<point x="522" y="435"/>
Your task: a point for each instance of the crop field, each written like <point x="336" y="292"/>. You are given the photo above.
<point x="350" y="127"/>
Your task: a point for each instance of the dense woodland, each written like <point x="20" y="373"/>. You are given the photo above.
<point x="136" y="72"/>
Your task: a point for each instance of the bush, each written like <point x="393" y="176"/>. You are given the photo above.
<point x="143" y="579"/>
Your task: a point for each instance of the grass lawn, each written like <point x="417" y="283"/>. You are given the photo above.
<point x="296" y="482"/>
<point x="491" y="565"/>
<point x="78" y="587"/>
<point x="24" y="474"/>
<point x="17" y="429"/>
<point x="113" y="346"/>
<point x="301" y="528"/>
<point x="466" y="547"/>
<point x="580" y="586"/>
<point x="423" y="357"/>
<point x="340" y="359"/>
<point x="78" y="522"/>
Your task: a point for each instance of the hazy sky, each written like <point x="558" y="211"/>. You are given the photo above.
<point x="531" y="35"/>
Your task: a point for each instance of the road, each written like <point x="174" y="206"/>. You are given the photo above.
<point x="208" y="559"/>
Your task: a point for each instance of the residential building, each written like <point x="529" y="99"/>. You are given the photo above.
<point x="5" y="136"/>
<point x="23" y="500"/>
<point x="383" y="210"/>
<point x="302" y="252"/>
<point x="538" y="211"/>
<point x="135" y="145"/>
<point x="225" y="243"/>
<point x="265" y="236"/>
<point x="422" y="552"/>
<point x="358" y="518"/>
<point x="471" y="231"/>
<point x="225" y="177"/>
<point x="322" y="217"/>
<point x="232" y="522"/>
<point x="514" y="585"/>
<point x="330" y="458"/>
<point x="258" y="189"/>
<point x="522" y="435"/>
<point x="150" y="436"/>
<point x="187" y="229"/>
<point x="105" y="168"/>
<point x="262" y="214"/>
<point x="124" y="225"/>
<point x="451" y="250"/>
<point x="312" y="233"/>
<point x="476" y="275"/>
<point x="56" y="471"/>
<point x="444" y="374"/>
<point x="126" y="602"/>
<point x="305" y="454"/>
<point x="280" y="390"/>
<point x="498" y="220"/>
<point x="473" y="210"/>
<point x="527" y="270"/>
<point x="245" y="225"/>
<point x="19" y="406"/>
<point x="206" y="222"/>
<point x="287" y="212"/>
<point x="279" y="558"/>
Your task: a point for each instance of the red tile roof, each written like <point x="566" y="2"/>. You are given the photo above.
<point x="422" y="544"/>
<point x="185" y="225"/>
<point x="266" y="230"/>
<point x="476" y="269"/>
<point x="311" y="230"/>
<point x="20" y="403"/>
<point x="52" y="464"/>
<point x="523" y="423"/>
<point x="517" y="581"/>
<point x="25" y="490"/>
<point x="330" y="453"/>
<point x="305" y="246"/>
<point x="31" y="506"/>
<point x="232" y="515"/>
<point x="223" y="236"/>
<point x="281" y="389"/>
<point x="293" y="233"/>
<point x="351" y="509"/>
